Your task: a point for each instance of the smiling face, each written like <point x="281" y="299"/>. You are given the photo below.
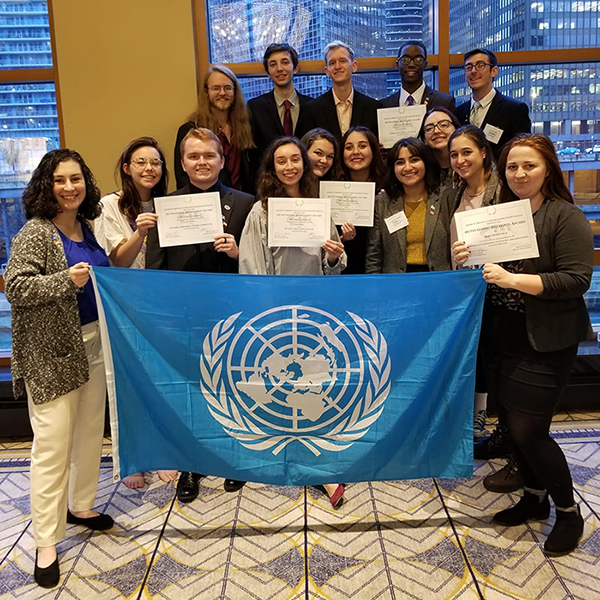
<point x="443" y="129"/>
<point x="321" y="153"/>
<point x="68" y="186"/>
<point x="144" y="176"/>
<point x="340" y="66"/>
<point x="409" y="168"/>
<point x="526" y="172"/>
<point x="202" y="162"/>
<point x="281" y="69"/>
<point x="289" y="167"/>
<point x="480" y="82"/>
<point x="466" y="158"/>
<point x="220" y="90"/>
<point x="357" y="153"/>
<point x="411" y="74"/>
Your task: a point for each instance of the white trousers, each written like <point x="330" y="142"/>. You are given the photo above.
<point x="67" y="447"/>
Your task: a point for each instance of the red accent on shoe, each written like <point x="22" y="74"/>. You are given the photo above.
<point x="337" y="496"/>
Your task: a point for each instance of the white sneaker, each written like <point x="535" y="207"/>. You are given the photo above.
<point x="479" y="423"/>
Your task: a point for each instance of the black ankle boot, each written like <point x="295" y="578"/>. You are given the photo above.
<point x="528" y="507"/>
<point x="565" y="534"/>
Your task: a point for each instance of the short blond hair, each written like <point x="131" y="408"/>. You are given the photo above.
<point x="203" y="134"/>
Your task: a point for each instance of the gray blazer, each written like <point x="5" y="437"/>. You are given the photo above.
<point x="452" y="196"/>
<point x="48" y="350"/>
<point x="386" y="252"/>
<point x="558" y="317"/>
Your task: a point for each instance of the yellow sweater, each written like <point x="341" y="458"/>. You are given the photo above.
<point x="415" y="232"/>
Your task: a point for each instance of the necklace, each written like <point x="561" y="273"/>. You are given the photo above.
<point x="415" y="201"/>
<point x="476" y="193"/>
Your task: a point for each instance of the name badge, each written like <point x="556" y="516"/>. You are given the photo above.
<point x="396" y="222"/>
<point x="492" y="134"/>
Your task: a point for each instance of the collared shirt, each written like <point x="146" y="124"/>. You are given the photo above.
<point x="417" y="95"/>
<point x="344" y="110"/>
<point x="484" y="105"/>
<point x="294" y="109"/>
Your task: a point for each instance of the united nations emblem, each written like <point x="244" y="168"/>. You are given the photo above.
<point x="295" y="374"/>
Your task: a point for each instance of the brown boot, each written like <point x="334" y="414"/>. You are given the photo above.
<point x="507" y="479"/>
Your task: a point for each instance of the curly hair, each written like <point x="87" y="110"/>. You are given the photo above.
<point x="554" y="186"/>
<point x="376" y="168"/>
<point x="478" y="138"/>
<point x="335" y="172"/>
<point x="270" y="185"/>
<point x="38" y="198"/>
<point x="416" y="147"/>
<point x="130" y="202"/>
<point x="239" y="116"/>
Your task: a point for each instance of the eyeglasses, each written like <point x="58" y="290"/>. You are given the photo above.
<point x="441" y="125"/>
<point x="478" y="66"/>
<point x="406" y="60"/>
<point x="216" y="89"/>
<point x="142" y="163"/>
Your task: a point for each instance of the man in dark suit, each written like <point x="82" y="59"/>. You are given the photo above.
<point x="342" y="106"/>
<point x="277" y="113"/>
<point x="411" y="62"/>
<point x="499" y="117"/>
<point x="202" y="159"/>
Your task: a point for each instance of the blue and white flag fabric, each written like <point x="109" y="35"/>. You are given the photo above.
<point x="291" y="379"/>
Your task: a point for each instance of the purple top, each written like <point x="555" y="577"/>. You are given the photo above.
<point x="87" y="251"/>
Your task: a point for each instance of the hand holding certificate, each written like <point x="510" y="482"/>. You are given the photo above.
<point x="498" y="233"/>
<point x="351" y="202"/>
<point x="190" y="219"/>
<point x="399" y="122"/>
<point x="299" y="222"/>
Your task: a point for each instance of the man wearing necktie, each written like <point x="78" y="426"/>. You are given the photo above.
<point x="278" y="112"/>
<point x="499" y="117"/>
<point x="411" y="63"/>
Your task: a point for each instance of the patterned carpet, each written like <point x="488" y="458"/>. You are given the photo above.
<point x="423" y="539"/>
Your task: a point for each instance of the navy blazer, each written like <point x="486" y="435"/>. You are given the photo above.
<point x="266" y="124"/>
<point x="203" y="258"/>
<point x="430" y="97"/>
<point x="321" y="112"/>
<point x="505" y="113"/>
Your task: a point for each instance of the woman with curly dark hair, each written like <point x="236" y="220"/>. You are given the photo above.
<point x="411" y="226"/>
<point x="57" y="357"/>
<point x="362" y="162"/>
<point x="286" y="171"/>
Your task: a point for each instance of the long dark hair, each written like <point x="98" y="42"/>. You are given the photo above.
<point x="335" y="173"/>
<point x="130" y="203"/>
<point x="554" y="186"/>
<point x="377" y="168"/>
<point x="478" y="138"/>
<point x="38" y="198"/>
<point x="441" y="109"/>
<point x="416" y="147"/>
<point x="271" y="186"/>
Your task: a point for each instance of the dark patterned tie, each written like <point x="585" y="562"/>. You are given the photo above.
<point x="288" y="127"/>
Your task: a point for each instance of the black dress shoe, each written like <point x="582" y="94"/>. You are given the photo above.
<point x="233" y="485"/>
<point x="46" y="577"/>
<point x="497" y="445"/>
<point x="100" y="522"/>
<point x="528" y="507"/>
<point x="188" y="486"/>
<point x="566" y="533"/>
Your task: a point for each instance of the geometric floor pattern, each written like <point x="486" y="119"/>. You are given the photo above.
<point x="427" y="539"/>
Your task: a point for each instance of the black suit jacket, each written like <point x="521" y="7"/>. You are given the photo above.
<point x="505" y="113"/>
<point x="321" y="112"/>
<point x="202" y="258"/>
<point x="431" y="98"/>
<point x="181" y="178"/>
<point x="266" y="124"/>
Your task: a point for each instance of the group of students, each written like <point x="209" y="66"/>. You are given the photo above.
<point x="534" y="315"/>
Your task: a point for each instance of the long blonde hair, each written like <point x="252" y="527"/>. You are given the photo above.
<point x="239" y="117"/>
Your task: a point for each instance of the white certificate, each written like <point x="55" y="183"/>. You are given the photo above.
<point x="299" y="222"/>
<point x="498" y="233"/>
<point x="399" y="122"/>
<point x="191" y="219"/>
<point x="351" y="202"/>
